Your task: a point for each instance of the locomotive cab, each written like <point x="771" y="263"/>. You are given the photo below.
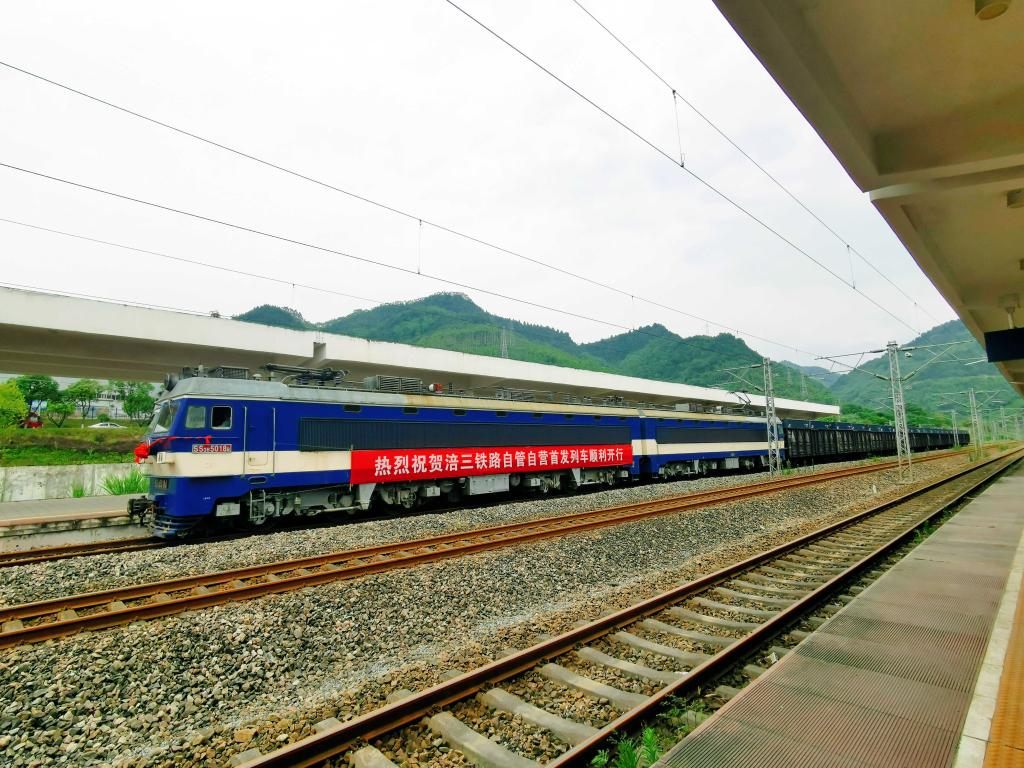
<point x="193" y="444"/>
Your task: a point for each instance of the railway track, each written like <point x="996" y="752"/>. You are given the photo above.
<point x="67" y="551"/>
<point x="633" y="662"/>
<point x="63" y="552"/>
<point x="44" y="620"/>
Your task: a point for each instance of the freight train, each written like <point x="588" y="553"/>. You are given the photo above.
<point x="238" y="451"/>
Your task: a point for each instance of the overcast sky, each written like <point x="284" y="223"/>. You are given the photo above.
<point x="415" y="106"/>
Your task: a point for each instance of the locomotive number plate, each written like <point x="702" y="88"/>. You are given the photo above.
<point x="218" y="448"/>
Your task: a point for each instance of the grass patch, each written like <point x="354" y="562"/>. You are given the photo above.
<point x="43" y="456"/>
<point x="650" y="749"/>
<point x="923" y="532"/>
<point x="49" y="447"/>
<point x="122" y="485"/>
<point x="630" y="753"/>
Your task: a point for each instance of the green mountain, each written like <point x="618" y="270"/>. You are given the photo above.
<point x="442" y="321"/>
<point x="452" y="321"/>
<point x="654" y="352"/>
<point x="280" y="317"/>
<point x="930" y="388"/>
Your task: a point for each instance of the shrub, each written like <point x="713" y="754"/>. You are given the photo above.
<point x="58" y="410"/>
<point x="122" y="485"/>
<point x="13" y="407"/>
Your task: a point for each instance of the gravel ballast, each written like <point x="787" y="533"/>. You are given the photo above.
<point x="44" y="581"/>
<point x="195" y="689"/>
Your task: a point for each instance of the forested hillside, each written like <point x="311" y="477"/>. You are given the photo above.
<point x="453" y="321"/>
<point x="938" y="382"/>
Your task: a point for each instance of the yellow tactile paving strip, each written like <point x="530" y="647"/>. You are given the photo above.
<point x="1006" y="737"/>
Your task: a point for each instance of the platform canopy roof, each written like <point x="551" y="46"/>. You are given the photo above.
<point x="922" y="101"/>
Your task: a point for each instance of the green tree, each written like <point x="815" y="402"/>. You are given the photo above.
<point x="136" y="398"/>
<point x="37" y="390"/>
<point x="919" y="417"/>
<point x="83" y="394"/>
<point x="861" y="414"/>
<point x="58" y="409"/>
<point x="13" y="407"/>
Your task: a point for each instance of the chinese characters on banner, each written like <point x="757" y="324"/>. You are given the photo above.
<point x="421" y="463"/>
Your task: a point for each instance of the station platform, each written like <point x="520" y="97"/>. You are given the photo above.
<point x="925" y="668"/>
<point x="53" y="522"/>
<point x="58" y="510"/>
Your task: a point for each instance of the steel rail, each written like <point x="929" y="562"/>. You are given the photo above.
<point x="330" y="743"/>
<point x="65" y="551"/>
<point x="113" y="546"/>
<point x="714" y="667"/>
<point x="360" y="562"/>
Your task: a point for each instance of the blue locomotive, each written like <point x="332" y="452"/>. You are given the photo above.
<point x="245" y="451"/>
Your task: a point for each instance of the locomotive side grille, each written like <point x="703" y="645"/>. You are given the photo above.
<point x="350" y="434"/>
<point x="521" y="395"/>
<point x="225" y="372"/>
<point x="399" y="385"/>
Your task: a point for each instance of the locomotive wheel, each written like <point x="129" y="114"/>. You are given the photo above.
<point x="264" y="524"/>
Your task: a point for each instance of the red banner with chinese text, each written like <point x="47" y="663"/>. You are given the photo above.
<point x="424" y="463"/>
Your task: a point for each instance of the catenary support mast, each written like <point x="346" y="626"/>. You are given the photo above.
<point x="899" y="410"/>
<point x="774" y="453"/>
<point x="979" y="437"/>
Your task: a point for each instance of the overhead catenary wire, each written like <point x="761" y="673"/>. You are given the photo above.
<point x="251" y="274"/>
<point x="858" y="367"/>
<point x="195" y="262"/>
<point x="107" y="299"/>
<point x="399" y="212"/>
<point x="354" y="257"/>
<point x="695" y="176"/>
<point x="761" y="168"/>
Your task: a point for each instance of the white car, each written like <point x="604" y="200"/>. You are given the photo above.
<point x="105" y="425"/>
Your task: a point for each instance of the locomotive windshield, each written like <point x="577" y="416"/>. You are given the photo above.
<point x="164" y="417"/>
